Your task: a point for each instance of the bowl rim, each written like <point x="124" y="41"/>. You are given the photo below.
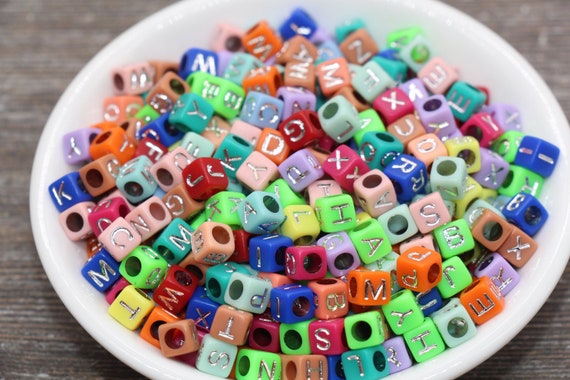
<point x="177" y="12"/>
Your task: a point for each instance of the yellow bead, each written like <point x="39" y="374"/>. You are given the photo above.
<point x="301" y="224"/>
<point x="131" y="307"/>
<point x="473" y="190"/>
<point x="467" y="148"/>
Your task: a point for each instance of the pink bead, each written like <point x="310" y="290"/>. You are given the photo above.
<point x="393" y="104"/>
<point x="307" y="262"/>
<point x="117" y="194"/>
<point x="483" y="127"/>
<point x="437" y="75"/>
<point x="133" y="79"/>
<point x="246" y="131"/>
<point x="115" y="289"/>
<point x="327" y="337"/>
<point x="227" y="37"/>
<point x="257" y="171"/>
<point x="345" y="166"/>
<point x="168" y="170"/>
<point x="322" y="188"/>
<point x="74" y="221"/>
<point x="149" y="217"/>
<point x="375" y="192"/>
<point x="120" y="238"/>
<point x="429" y="212"/>
<point x="425" y="241"/>
<point x="106" y="212"/>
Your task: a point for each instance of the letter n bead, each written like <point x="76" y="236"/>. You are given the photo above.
<point x="307" y="262"/>
<point x="310" y="367"/>
<point x="482" y="299"/>
<point x="256" y="364"/>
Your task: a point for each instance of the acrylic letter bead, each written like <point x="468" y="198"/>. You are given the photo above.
<point x="213" y="243"/>
<point x="257" y="171"/>
<point x="247" y="292"/>
<point x="448" y="175"/>
<point x="429" y="212"/>
<point x="364" y="330"/>
<point x="307" y="262"/>
<point x="161" y="130"/>
<point x="406" y="128"/>
<point x="231" y="325"/>
<point x="292" y="303"/>
<point x="332" y="75"/>
<point x="506" y="115"/>
<point x="216" y="357"/>
<point x="345" y="166"/>
<point x="262" y="41"/>
<point x="331" y="295"/>
<point x="520" y="179"/>
<point x="310" y="367"/>
<point x="397" y="70"/>
<point x="301" y="129"/>
<point x="336" y="372"/>
<point x="174" y="242"/>
<point x="427" y="148"/>
<point x="300" y="74"/>
<point x="473" y="191"/>
<point x="499" y="271"/>
<point x="358" y="47"/>
<point x="143" y="268"/>
<point x="178" y="337"/>
<point x="166" y="91"/>
<point x="369" y="122"/>
<point x="298" y="22"/>
<point x="157" y="317"/>
<point x="468" y="149"/>
<point x="105" y="212"/>
<point x="264" y="333"/>
<point x="454" y="238"/>
<point x="454" y="323"/>
<point x="482" y="127"/>
<point x="98" y="176"/>
<point x="204" y="177"/>
<point x="455" y="277"/>
<point x="151" y="148"/>
<point x="267" y="252"/>
<point x="393" y="104"/>
<point x="409" y="176"/>
<point x="196" y="59"/>
<point x="403" y="313"/>
<point x="464" y="100"/>
<point x="191" y="112"/>
<point x="397" y="354"/>
<point x="322" y="188"/>
<point x="239" y="65"/>
<point x="371" y="81"/>
<point x="341" y="254"/>
<point x="120" y="238"/>
<point x="75" y="221"/>
<point x="365" y="363"/>
<point x="175" y="290"/>
<point x="379" y="149"/>
<point x="370" y="240"/>
<point x="133" y="79"/>
<point x="375" y="192"/>
<point x="339" y="119"/>
<point x="419" y="269"/>
<point x="367" y="287"/>
<point x="232" y="152"/>
<point x="201" y="309"/>
<point x="538" y="155"/>
<point x="67" y="191"/>
<point x="168" y="170"/>
<point x="218" y="278"/>
<point x="257" y="364"/>
<point x="131" y="307"/>
<point x="437" y="75"/>
<point x="482" y="299"/>
<point x="518" y="248"/>
<point x="491" y="230"/>
<point x="526" y="212"/>
<point x="336" y="213"/>
<point x="415" y="89"/>
<point x="398" y="224"/>
<point x="295" y="99"/>
<point x="149" y="217"/>
<point x="287" y="196"/>
<point x="436" y="116"/>
<point x="135" y="180"/>
<point x="300" y="169"/>
<point x="272" y="144"/>
<point x="118" y="109"/>
<point x="294" y="338"/>
<point x="300" y="224"/>
<point x="424" y="341"/>
<point x="76" y="145"/>
<point x="494" y="169"/>
<point x="101" y="270"/>
<point x="224" y="96"/>
<point x="222" y="208"/>
<point x="416" y="52"/>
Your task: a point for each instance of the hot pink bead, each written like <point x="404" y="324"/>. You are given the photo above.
<point x="257" y="171"/>
<point x="393" y="104"/>
<point x="295" y="99"/>
<point x="120" y="238"/>
<point x="246" y="131"/>
<point x="322" y="188"/>
<point x="106" y="211"/>
<point x="327" y="337"/>
<point x="345" y="166"/>
<point x="168" y="170"/>
<point x="133" y="79"/>
<point x="149" y="217"/>
<point x="307" y="262"/>
<point x="74" y="220"/>
<point x="429" y="212"/>
<point x="483" y="127"/>
<point x="437" y="75"/>
<point x="227" y="37"/>
<point x="375" y="193"/>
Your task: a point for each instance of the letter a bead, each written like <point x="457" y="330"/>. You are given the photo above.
<point x="261" y="212"/>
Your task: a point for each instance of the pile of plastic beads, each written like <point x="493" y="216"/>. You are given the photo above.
<point x="292" y="204"/>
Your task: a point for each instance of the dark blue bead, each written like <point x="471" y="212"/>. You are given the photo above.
<point x="161" y="130"/>
<point x="195" y="59"/>
<point x="68" y="191"/>
<point x="409" y="176"/>
<point x="267" y="252"/>
<point x="292" y="303"/>
<point x="336" y="372"/>
<point x="526" y="212"/>
<point x="430" y="301"/>
<point x="101" y="271"/>
<point x="537" y="155"/>
<point x="201" y="309"/>
<point x="299" y="22"/>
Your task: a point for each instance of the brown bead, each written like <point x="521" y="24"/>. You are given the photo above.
<point x="359" y="47"/>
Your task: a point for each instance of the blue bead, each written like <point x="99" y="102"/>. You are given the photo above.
<point x="232" y="152"/>
<point x="538" y="155"/>
<point x="298" y="22"/>
<point x="262" y="110"/>
<point x="327" y="50"/>
<point x="267" y="252"/>
<point x="526" y="212"/>
<point x="409" y="176"/>
<point x="195" y="59"/>
<point x="391" y="54"/>
<point x="68" y="191"/>
<point x="218" y="278"/>
<point x="201" y="308"/>
<point x="334" y="363"/>
<point x="292" y="303"/>
<point x="378" y="149"/>
<point x="161" y="130"/>
<point x="101" y="271"/>
<point x="429" y="301"/>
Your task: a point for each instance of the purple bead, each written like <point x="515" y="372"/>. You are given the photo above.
<point x="436" y="116"/>
<point x="396" y="354"/>
<point x="76" y="145"/>
<point x="262" y="110"/>
<point x="301" y="169"/>
<point x="499" y="271"/>
<point x="321" y="35"/>
<point x="224" y="58"/>
<point x="506" y="115"/>
<point x="295" y="99"/>
<point x="341" y="254"/>
<point x="494" y="169"/>
<point x="415" y="89"/>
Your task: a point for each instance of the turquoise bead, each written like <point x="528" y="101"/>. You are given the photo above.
<point x="135" y="180"/>
<point x="339" y="119"/>
<point x="191" y="112"/>
<point x="239" y="66"/>
<point x="175" y="241"/>
<point x="371" y="80"/>
<point x="397" y="70"/>
<point x="344" y="29"/>
<point x="454" y="323"/>
<point x="232" y="153"/>
<point x="216" y="357"/>
<point x="464" y="100"/>
<point x="218" y="279"/>
<point x="365" y="363"/>
<point x="261" y="212"/>
<point x="378" y="149"/>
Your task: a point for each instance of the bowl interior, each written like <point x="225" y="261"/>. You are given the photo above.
<point x="482" y="59"/>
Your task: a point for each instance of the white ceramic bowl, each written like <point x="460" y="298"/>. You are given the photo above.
<point x="482" y="57"/>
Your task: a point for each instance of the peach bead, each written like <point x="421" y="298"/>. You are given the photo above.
<point x="375" y="192"/>
<point x="257" y="171"/>
<point x="149" y="217"/>
<point x="231" y="325"/>
<point x="178" y="338"/>
<point x="429" y="212"/>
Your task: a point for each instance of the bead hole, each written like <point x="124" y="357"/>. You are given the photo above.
<point x="446" y="168"/>
<point x="330" y="110"/>
<point x="361" y="331"/>
<point x="312" y="263"/>
<point x="74" y="222"/>
<point x="343" y="261"/>
<point x="432" y="105"/>
<point x="492" y="231"/>
<point x="157" y="211"/>
<point x="221" y="235"/>
<point x="133" y="266"/>
<point x="174" y="338"/>
<point x="262" y="337"/>
<point x="183" y="278"/>
<point x="233" y="43"/>
<point x="301" y="306"/>
<point x="270" y="203"/>
<point x="372" y="181"/>
<point x="164" y="177"/>
<point x="397" y="224"/>
<point x="236" y="289"/>
<point x="118" y="82"/>
<point x="292" y="339"/>
<point x="379" y="361"/>
<point x="94" y="178"/>
<point x="134" y="189"/>
<point x="176" y="86"/>
<point x="434" y="272"/>
<point x="533" y="215"/>
<point x="468" y="156"/>
<point x="214" y="287"/>
<point x="457" y="327"/>
<point x="244" y="365"/>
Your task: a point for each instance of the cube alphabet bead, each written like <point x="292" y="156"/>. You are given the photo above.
<point x="419" y="269"/>
<point x="292" y="303"/>
<point x="295" y="99"/>
<point x="339" y="118"/>
<point x="398" y="224"/>
<point x="429" y="301"/>
<point x="300" y="224"/>
<point x="415" y="89"/>
<point x="143" y="268"/>
<point x="379" y="149"/>
<point x="248" y="293"/>
<point x="332" y="75"/>
<point x="197" y="59"/>
<point x="397" y="354"/>
<point x="365" y="363"/>
<point x="257" y="171"/>
<point x="224" y="96"/>
<point x="403" y="313"/>
<point x="464" y="100"/>
<point x="178" y="338"/>
<point x="538" y="155"/>
<point x="98" y="176"/>
<point x="300" y="169"/>
<point x="157" y="317"/>
<point x="67" y="191"/>
<point x="135" y="180"/>
<point x="364" y="330"/>
<point x="175" y="241"/>
<point x="267" y="252"/>
<point x="437" y="75"/>
<point x="76" y="144"/>
<point x="369" y="287"/>
<point x="75" y="221"/>
<point x="261" y="41"/>
<point x="336" y="213"/>
<point x="175" y="290"/>
<point x="526" y="212"/>
<point x="491" y="230"/>
<point x="499" y="271"/>
<point x="482" y="127"/>
<point x="201" y="309"/>
<point x="427" y="148"/>
<point x="393" y="104"/>
<point x="331" y="298"/>
<point x="231" y="325"/>
<point x="468" y="149"/>
<point x="518" y="248"/>
<point x="294" y="338"/>
<point x="260" y="212"/>
<point x="341" y="253"/>
<point x="454" y="323"/>
<point x="131" y="307"/>
<point x="101" y="270"/>
<point x="370" y="82"/>
<point x="454" y="238"/>
<point x="191" y="113"/>
<point x="345" y="166"/>
<point x="308" y="366"/>
<point x="133" y="79"/>
<point x="204" y="177"/>
<point x="436" y="116"/>
<point x="307" y="262"/>
<point x="264" y="333"/>
<point x="232" y="153"/>
<point x="216" y="357"/>
<point x="494" y="169"/>
<point x="425" y="341"/>
<point x="375" y="192"/>
<point x="409" y="176"/>
<point x="429" y="212"/>
<point x="370" y="240"/>
<point x="119" y="238"/>
<point x="482" y="299"/>
<point x="255" y="363"/>
<point x="118" y="109"/>
<point x="298" y="22"/>
<point x="455" y="277"/>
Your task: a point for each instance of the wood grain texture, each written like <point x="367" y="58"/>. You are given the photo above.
<point x="43" y="44"/>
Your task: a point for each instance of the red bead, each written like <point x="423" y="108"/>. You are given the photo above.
<point x="345" y="166"/>
<point x="151" y="148"/>
<point x="175" y="289"/>
<point x="204" y="177"/>
<point x="241" y="253"/>
<point x="264" y="333"/>
<point x="327" y="337"/>
<point x="483" y="127"/>
<point x="307" y="262"/>
<point x="302" y="129"/>
<point x="393" y="104"/>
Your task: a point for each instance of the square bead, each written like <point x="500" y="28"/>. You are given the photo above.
<point x="231" y="325"/>
<point x="339" y="118"/>
<point x="409" y="176"/>
<point x="526" y="212"/>
<point x="175" y="241"/>
<point x="406" y="128"/>
<point x="365" y="363"/>
<point x="308" y="262"/>
<point x="491" y="230"/>
<point x="371" y="81"/>
<point x="264" y="333"/>
<point x="168" y="170"/>
<point x="455" y="277"/>
<point x="149" y="217"/>
<point x="454" y="238"/>
<point x="262" y="110"/>
<point x="336" y="372"/>
<point x="369" y="122"/>
<point x="518" y="248"/>
<point x="292" y="303"/>
<point x="379" y="149"/>
<point x="538" y="155"/>
<point x="76" y="145"/>
<point x="416" y="52"/>
<point x="298" y="22"/>
<point x="507" y="144"/>
<point x="294" y="338"/>
<point x="429" y="212"/>
<point x="375" y="192"/>
<point x="175" y="290"/>
<point x="429" y="301"/>
<point x="312" y="367"/>
<point x="424" y="341"/>
<point x="216" y="357"/>
<point x="370" y="240"/>
<point x="287" y="196"/>
<point x="341" y="253"/>
<point x="260" y="212"/>
<point x="201" y="309"/>
<point x="232" y="153"/>
<point x="178" y="338"/>
<point x="118" y="109"/>
<point x="499" y="271"/>
<point x="331" y="298"/>
<point x="473" y="191"/>
<point x="295" y="99"/>
<point x="482" y="299"/>
<point x="369" y="287"/>
<point x="494" y="169"/>
<point x="151" y="148"/>
<point x="67" y="191"/>
<point x="196" y="59"/>
<point x="419" y="269"/>
<point x="436" y="116"/>
<point x="300" y="74"/>
<point x="222" y="208"/>
<point x="398" y="224"/>
<point x="520" y="179"/>
<point x="396" y="69"/>
<point x="272" y="144"/>
<point x="204" y="177"/>
<point x="75" y="221"/>
<point x="132" y="79"/>
<point x="160" y="130"/>
<point x="212" y="243"/>
<point x="332" y="75"/>
<point x="301" y="129"/>
<point x="191" y="112"/>
<point x="131" y="307"/>
<point x="393" y="104"/>
<point x="101" y="270"/>
<point x="415" y="89"/>
<point x="464" y="100"/>
<point x="262" y="41"/>
<point x="345" y="166"/>
<point x="257" y="364"/>
<point x="482" y="127"/>
<point x="448" y="176"/>
<point x="257" y="171"/>
<point x="336" y="213"/>
<point x="218" y="278"/>
<point x="403" y="313"/>
<point x="248" y="293"/>
<point x="300" y="170"/>
<point x="508" y="116"/>
<point x="454" y="323"/>
<point x="397" y="354"/>
<point x="98" y="176"/>
<point x="300" y="224"/>
<point x="426" y="148"/>
<point x="437" y="75"/>
<point x="239" y="66"/>
<point x="267" y="252"/>
<point x="224" y="96"/>
<point x="322" y="188"/>
<point x="157" y="317"/>
<point x="135" y="180"/>
<point x="359" y="46"/>
<point x="119" y="238"/>
<point x="143" y="267"/>
<point x="166" y="91"/>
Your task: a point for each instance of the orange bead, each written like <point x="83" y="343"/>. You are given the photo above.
<point x="491" y="230"/>
<point x="114" y="141"/>
<point x="359" y="47"/>
<point x="157" y="317"/>
<point x="300" y="74"/>
<point x="162" y="67"/>
<point x="119" y="108"/>
<point x="406" y="128"/>
<point x="261" y="41"/>
<point x="518" y="248"/>
<point x="266" y="79"/>
<point x="332" y="75"/>
<point x="231" y="325"/>
<point x="93" y="245"/>
<point x="482" y="299"/>
<point x="368" y="287"/>
<point x="178" y="337"/>
<point x="213" y="243"/>
<point x="309" y="367"/>
<point x="332" y="298"/>
<point x="166" y="92"/>
<point x="132" y="127"/>
<point x="418" y="269"/>
<point x="272" y="144"/>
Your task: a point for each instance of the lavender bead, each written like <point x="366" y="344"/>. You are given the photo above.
<point x="507" y="116"/>
<point x="76" y="145"/>
<point x="436" y="116"/>
<point x="494" y="169"/>
<point x="295" y="99"/>
<point x="499" y="271"/>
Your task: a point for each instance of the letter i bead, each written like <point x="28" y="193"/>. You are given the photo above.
<point x="131" y="307"/>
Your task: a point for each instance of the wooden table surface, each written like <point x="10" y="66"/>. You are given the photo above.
<point x="43" y="44"/>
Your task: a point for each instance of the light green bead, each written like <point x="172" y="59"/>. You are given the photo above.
<point x="225" y="96"/>
<point x="259" y="365"/>
<point x="294" y="338"/>
<point x="448" y="175"/>
<point x="335" y="213"/>
<point x="397" y="70"/>
<point x="364" y="330"/>
<point x="401" y="37"/>
<point x="398" y="224"/>
<point x="370" y="241"/>
<point x="222" y="207"/>
<point x="197" y="145"/>
<point x="455" y="278"/>
<point x="339" y="118"/>
<point x="371" y="80"/>
<point x="424" y="341"/>
<point x="403" y="313"/>
<point x="147" y="114"/>
<point x="143" y="268"/>
<point x="286" y="195"/>
<point x="454" y="238"/>
<point x="523" y="180"/>
<point x="216" y="357"/>
<point x="507" y="145"/>
<point x="453" y="323"/>
<point x="416" y="53"/>
<point x="464" y="100"/>
<point x="370" y="121"/>
<point x="175" y="241"/>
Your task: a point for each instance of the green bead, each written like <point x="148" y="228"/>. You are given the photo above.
<point x="403" y="313"/>
<point x="453" y="323"/>
<point x="454" y="238"/>
<point x="344" y="29"/>
<point x="197" y="145"/>
<point x="335" y="213"/>
<point x="397" y="70"/>
<point x="416" y="53"/>
<point x="225" y="96"/>
<point x="259" y="365"/>
<point x="455" y="278"/>
<point x="507" y="145"/>
<point x="294" y="338"/>
<point x="523" y="180"/>
<point x="364" y="330"/>
<point x="191" y="113"/>
<point x="216" y="357"/>
<point x="370" y="241"/>
<point x="233" y="152"/>
<point x="424" y="341"/>
<point x="147" y="114"/>
<point x="239" y="66"/>
<point x="370" y="121"/>
<point x="286" y="195"/>
<point x="143" y="268"/>
<point x="175" y="241"/>
<point x="197" y="219"/>
<point x="222" y="207"/>
<point x="398" y="38"/>
<point x="464" y="100"/>
<point x="339" y="118"/>
<point x="370" y="80"/>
